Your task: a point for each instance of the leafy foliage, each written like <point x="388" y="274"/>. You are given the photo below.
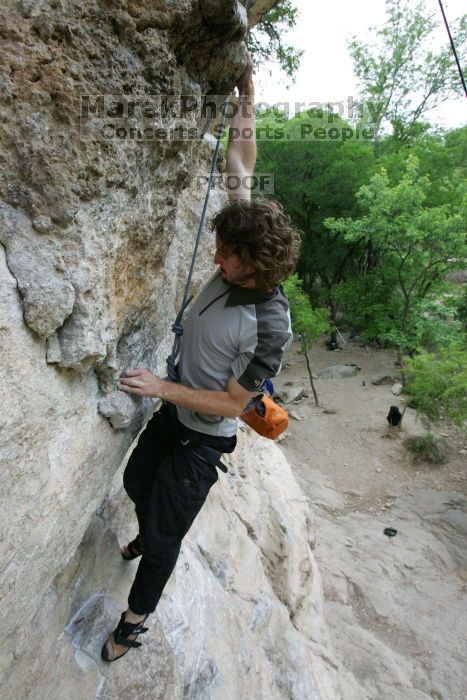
<point x="437" y="382"/>
<point x="265" y="40"/>
<point x="307" y="322"/>
<point x="427" y="448"/>
<point x="416" y="245"/>
<point x="441" y="155"/>
<point x="401" y="75"/>
<point x="315" y="179"/>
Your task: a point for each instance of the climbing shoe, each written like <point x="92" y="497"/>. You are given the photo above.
<point x="121" y="635"/>
<point x="134" y="549"/>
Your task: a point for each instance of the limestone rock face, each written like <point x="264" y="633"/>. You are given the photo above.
<point x="87" y="225"/>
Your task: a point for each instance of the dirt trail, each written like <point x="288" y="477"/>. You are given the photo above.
<point x="395" y="607"/>
<point x="353" y="446"/>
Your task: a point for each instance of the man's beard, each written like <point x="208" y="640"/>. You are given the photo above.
<point x="240" y="279"/>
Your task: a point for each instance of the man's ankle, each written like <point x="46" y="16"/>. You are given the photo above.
<point x="132" y="617"/>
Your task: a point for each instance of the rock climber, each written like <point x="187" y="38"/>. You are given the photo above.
<point x="234" y="338"/>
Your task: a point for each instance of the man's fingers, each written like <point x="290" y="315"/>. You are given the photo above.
<point x="133" y="372"/>
<point x="131" y="381"/>
<point x="129" y="389"/>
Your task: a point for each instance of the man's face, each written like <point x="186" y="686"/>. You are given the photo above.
<point x="232" y="270"/>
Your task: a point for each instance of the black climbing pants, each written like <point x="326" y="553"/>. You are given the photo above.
<point x="168" y="477"/>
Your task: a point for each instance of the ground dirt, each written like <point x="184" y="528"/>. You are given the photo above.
<point x="355" y="446"/>
<point x="395" y="607"/>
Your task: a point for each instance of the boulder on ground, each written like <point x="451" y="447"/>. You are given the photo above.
<point x="383" y="378"/>
<point x="291" y="393"/>
<point x="339" y="371"/>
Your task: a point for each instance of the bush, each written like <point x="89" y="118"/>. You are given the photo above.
<point x="437" y="382"/>
<point x="307" y="322"/>
<point x="427" y="448"/>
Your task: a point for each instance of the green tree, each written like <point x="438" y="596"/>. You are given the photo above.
<point x="307" y="323"/>
<point x="266" y="43"/>
<point x="401" y="76"/>
<point x="315" y="179"/>
<point x="417" y="244"/>
<point x="441" y="155"/>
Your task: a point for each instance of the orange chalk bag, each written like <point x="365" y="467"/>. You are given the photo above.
<point x="265" y="417"/>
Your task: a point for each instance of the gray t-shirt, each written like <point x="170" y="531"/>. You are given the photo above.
<point x="237" y="331"/>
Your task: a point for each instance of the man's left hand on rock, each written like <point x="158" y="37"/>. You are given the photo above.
<point x="140" y="381"/>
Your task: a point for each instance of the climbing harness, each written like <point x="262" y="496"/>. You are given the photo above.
<point x="177" y="326"/>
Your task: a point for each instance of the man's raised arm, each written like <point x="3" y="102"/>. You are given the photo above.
<point x="241" y="152"/>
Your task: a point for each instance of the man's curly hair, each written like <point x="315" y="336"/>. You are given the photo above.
<point x="262" y="236"/>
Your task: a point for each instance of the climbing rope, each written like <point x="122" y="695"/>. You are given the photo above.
<point x="177" y="327"/>
<point x="453" y="47"/>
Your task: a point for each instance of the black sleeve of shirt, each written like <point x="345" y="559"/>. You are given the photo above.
<point x="262" y="352"/>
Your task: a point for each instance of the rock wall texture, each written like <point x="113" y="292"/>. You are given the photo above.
<point x="95" y="240"/>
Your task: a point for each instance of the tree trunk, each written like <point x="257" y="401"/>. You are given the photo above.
<point x="401" y="365"/>
<point x="332" y="308"/>
<point x="305" y="352"/>
<point x="402" y="416"/>
<point x="371" y="256"/>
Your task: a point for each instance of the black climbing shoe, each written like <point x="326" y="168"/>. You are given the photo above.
<point x="121" y="636"/>
<point x="135" y="549"/>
